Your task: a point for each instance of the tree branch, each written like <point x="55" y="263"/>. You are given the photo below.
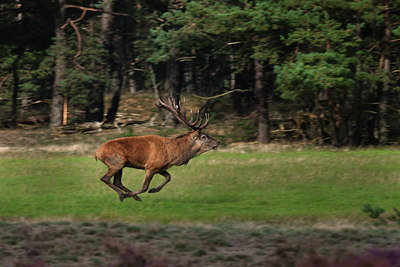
<point x="78" y="36"/>
<point x="4" y="79"/>
<point x="218" y="51"/>
<point x="220" y="95"/>
<point x="96" y="10"/>
<point x="153" y="81"/>
<point x="76" y="29"/>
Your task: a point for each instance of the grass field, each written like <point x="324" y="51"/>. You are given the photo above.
<point x="223" y="209"/>
<point x="216" y="187"/>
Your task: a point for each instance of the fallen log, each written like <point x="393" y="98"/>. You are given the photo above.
<point x="97" y="126"/>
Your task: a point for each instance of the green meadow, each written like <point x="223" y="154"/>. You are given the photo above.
<point x="311" y="185"/>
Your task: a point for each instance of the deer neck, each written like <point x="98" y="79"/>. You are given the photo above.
<point x="181" y="149"/>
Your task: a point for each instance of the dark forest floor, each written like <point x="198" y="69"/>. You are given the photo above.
<point x="230" y="244"/>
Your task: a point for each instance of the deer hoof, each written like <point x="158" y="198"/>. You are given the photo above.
<point x="154" y="190"/>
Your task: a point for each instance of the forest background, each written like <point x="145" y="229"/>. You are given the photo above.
<point x="333" y="63"/>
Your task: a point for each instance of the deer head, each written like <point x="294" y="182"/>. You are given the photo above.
<point x="201" y="140"/>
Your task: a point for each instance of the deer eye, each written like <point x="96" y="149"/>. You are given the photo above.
<point x="203" y="137"/>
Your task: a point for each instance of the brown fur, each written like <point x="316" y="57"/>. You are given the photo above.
<point x="154" y="154"/>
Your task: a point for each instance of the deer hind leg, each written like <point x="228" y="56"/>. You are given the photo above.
<point x="118" y="183"/>
<point x="107" y="177"/>
<point x="146" y="182"/>
<point x="166" y="181"/>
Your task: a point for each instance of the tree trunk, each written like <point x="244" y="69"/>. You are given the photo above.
<point x="14" y="100"/>
<point x="120" y="41"/>
<point x="172" y="85"/>
<point x="14" y="104"/>
<point x="357" y="114"/>
<point x="173" y="77"/>
<point x="240" y="83"/>
<point x="357" y="94"/>
<point x="263" y="135"/>
<point x="112" y="111"/>
<point x="194" y="71"/>
<point x="321" y="131"/>
<point x="106" y="22"/>
<point x="94" y="110"/>
<point x="57" y="100"/>
<point x="383" y="112"/>
<point x="236" y="97"/>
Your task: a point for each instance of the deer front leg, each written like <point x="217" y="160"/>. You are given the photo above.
<point x="146" y="182"/>
<point x="166" y="181"/>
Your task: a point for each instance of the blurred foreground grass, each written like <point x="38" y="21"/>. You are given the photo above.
<point x="215" y="187"/>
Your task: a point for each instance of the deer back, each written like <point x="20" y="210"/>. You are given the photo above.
<point x="139" y="152"/>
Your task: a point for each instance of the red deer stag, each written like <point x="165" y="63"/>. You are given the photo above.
<point x="154" y="154"/>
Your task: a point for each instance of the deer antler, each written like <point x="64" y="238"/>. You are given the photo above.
<point x="180" y="114"/>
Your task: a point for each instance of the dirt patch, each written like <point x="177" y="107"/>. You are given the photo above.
<point x="78" y="148"/>
<point x="109" y="244"/>
<point x="46" y="140"/>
